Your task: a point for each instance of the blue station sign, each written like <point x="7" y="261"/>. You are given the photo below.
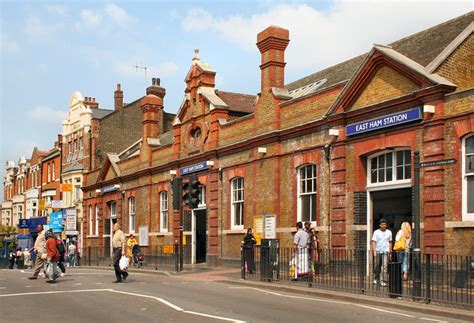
<point x="108" y="189"/>
<point x="193" y="168"/>
<point x="384" y="122"/>
<point x="24" y="224"/>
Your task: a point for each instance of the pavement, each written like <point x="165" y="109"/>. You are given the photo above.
<point x="88" y="294"/>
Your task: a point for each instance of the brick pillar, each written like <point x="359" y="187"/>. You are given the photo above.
<point x="433" y="196"/>
<point x="213" y="218"/>
<point x="338" y="197"/>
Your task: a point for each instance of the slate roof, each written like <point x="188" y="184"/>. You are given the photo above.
<point x="238" y="102"/>
<point x="422" y="47"/>
<point x="100" y="113"/>
<point x="73" y="167"/>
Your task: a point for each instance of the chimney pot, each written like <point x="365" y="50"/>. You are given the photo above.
<point x="118" y="98"/>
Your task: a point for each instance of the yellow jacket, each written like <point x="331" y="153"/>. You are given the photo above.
<point x="130" y="243"/>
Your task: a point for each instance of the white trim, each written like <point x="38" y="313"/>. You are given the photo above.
<point x="160" y="233"/>
<point x="162" y="211"/>
<point x="448" y="50"/>
<point x="96" y="219"/>
<point x="92" y="236"/>
<point x="233" y="226"/>
<point x="465" y="216"/>
<point x="234" y="231"/>
<point x="299" y="194"/>
<point x="394" y="182"/>
<point x="459" y="224"/>
<point x="131" y="228"/>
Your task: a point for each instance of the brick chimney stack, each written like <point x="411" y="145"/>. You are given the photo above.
<point x="272" y="43"/>
<point x="91" y="102"/>
<point x="118" y="98"/>
<point x="152" y="111"/>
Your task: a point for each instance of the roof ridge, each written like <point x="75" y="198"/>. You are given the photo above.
<point x="220" y="91"/>
<point x="433" y="27"/>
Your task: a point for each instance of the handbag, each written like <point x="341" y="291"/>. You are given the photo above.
<point x="400" y="245"/>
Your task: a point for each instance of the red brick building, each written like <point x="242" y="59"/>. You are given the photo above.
<point x="334" y="148"/>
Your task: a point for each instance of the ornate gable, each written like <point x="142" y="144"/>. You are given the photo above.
<point x="384" y="75"/>
<point x="110" y="169"/>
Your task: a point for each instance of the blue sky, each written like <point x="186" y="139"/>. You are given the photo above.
<point x="51" y="49"/>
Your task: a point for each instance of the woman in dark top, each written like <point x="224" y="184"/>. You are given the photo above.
<point x="249" y="242"/>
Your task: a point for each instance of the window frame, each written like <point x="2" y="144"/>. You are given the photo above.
<point x="394" y="167"/>
<point x="131" y="214"/>
<point x="164" y="211"/>
<point x="97" y="219"/>
<point x="49" y="172"/>
<point x="299" y="194"/>
<point x="91" y="220"/>
<point x="53" y="177"/>
<point x="464" y="178"/>
<point x="234" y="204"/>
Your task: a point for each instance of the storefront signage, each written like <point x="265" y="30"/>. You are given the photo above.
<point x="71" y="219"/>
<point x="143" y="235"/>
<point x="438" y="163"/>
<point x="193" y="168"/>
<point x="109" y="189"/>
<point x="55" y="221"/>
<point x="384" y="122"/>
<point x="57" y="204"/>
<point x="24" y="224"/>
<point x="66" y="187"/>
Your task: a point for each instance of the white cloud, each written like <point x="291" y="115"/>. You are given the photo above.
<point x="38" y="30"/>
<point x="47" y="115"/>
<point x="8" y="44"/>
<point x="117" y="14"/>
<point x="56" y="9"/>
<point x="88" y="20"/>
<point x="322" y="38"/>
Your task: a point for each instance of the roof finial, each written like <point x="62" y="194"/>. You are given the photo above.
<point x="196" y="56"/>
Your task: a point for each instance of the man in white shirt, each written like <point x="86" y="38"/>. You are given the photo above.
<point x="381" y="248"/>
<point x="40" y="247"/>
<point x="300" y="242"/>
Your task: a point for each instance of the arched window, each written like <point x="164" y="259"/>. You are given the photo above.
<point x="91" y="221"/>
<point x="389" y="168"/>
<point x="131" y="212"/>
<point x="164" y="211"/>
<point x="468" y="178"/>
<point x="307" y="193"/>
<point x="237" y="203"/>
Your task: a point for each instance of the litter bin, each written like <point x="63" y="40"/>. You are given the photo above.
<point x="269" y="259"/>
<point x="395" y="279"/>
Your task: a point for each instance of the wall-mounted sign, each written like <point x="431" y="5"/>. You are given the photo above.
<point x="438" y="163"/>
<point x="109" y="189"/>
<point x="66" y="187"/>
<point x="143" y="236"/>
<point x="71" y="219"/>
<point x="24" y="224"/>
<point x="55" y="221"/>
<point x="384" y="122"/>
<point x="193" y="168"/>
<point x="270" y="227"/>
<point x="57" y="204"/>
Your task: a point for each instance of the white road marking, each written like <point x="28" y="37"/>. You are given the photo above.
<point x="143" y="309"/>
<point x="3" y="287"/>
<point x="214" y="317"/>
<point x="165" y="302"/>
<point x="27" y="286"/>
<point x="78" y="284"/>
<point x="98" y="283"/>
<point x="324" y="300"/>
<point x="428" y="319"/>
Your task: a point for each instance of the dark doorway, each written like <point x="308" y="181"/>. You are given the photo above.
<point x="201" y="237"/>
<point x="394" y="206"/>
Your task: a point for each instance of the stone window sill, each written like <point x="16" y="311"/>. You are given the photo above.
<point x="459" y="224"/>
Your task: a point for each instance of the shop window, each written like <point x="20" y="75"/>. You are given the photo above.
<point x="307" y="193"/>
<point x="390" y="167"/>
<point x="468" y="178"/>
<point x="164" y="211"/>
<point x="237" y="203"/>
<point x="131" y="212"/>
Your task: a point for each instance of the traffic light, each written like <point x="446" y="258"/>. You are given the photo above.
<point x="176" y="185"/>
<point x="185" y="193"/>
<point x="194" y="192"/>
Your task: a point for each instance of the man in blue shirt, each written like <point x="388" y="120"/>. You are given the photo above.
<point x="381" y="248"/>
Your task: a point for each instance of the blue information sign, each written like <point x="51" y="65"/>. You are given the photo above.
<point x="384" y="122"/>
<point x="24" y="224"/>
<point x="193" y="168"/>
<point x="56" y="221"/>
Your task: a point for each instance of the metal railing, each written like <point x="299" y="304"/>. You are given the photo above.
<point x="154" y="258"/>
<point x="443" y="279"/>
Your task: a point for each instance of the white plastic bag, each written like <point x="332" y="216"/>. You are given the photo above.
<point x="123" y="263"/>
<point x="52" y="271"/>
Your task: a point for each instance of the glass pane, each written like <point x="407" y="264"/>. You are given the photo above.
<point x="305" y="207"/>
<point x="407" y="157"/>
<point x="373" y="176"/>
<point x="399" y="158"/>
<point x="470" y="194"/>
<point x="407" y="171"/>
<point x="382" y="161"/>
<point x="470" y="145"/>
<point x="389" y="160"/>
<point x="389" y="174"/>
<point x="399" y="172"/>
<point x="313" y="207"/>
<point x="381" y="175"/>
<point x="470" y="164"/>
<point x="373" y="164"/>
